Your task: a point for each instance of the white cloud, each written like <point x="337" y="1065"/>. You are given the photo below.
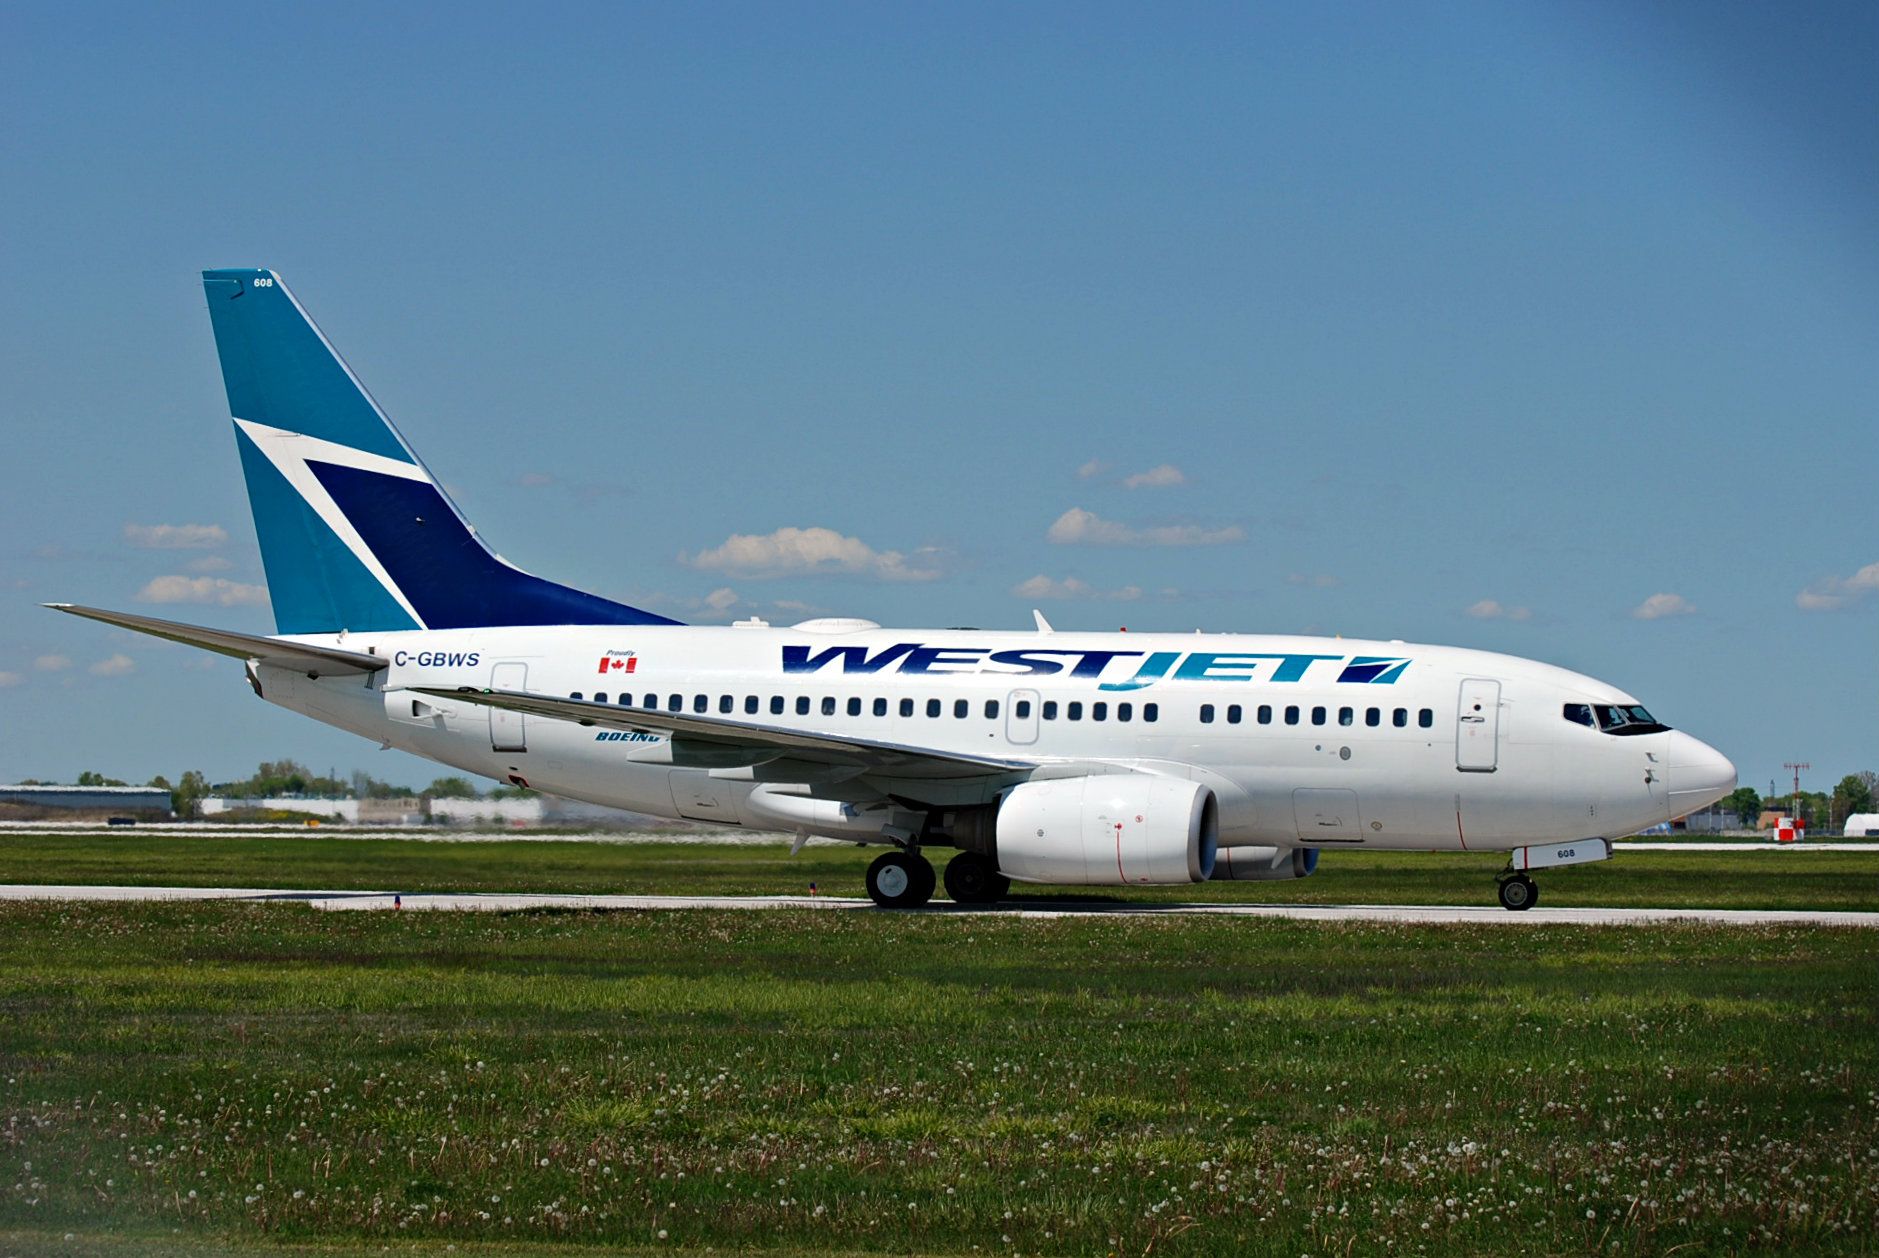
<point x="1833" y="593"/>
<point x="1092" y="469"/>
<point x="1658" y="606"/>
<point x="721" y="599"/>
<point x="1317" y="580"/>
<point x="1043" y="588"/>
<point x="209" y="563"/>
<point x="175" y="589"/>
<point x="119" y="665"/>
<point x="1077" y="527"/>
<point x="811" y="550"/>
<point x="52" y="663"/>
<point x="1490" y="609"/>
<point x="10" y="679"/>
<point x="1155" y="478"/>
<point x="175" y="536"/>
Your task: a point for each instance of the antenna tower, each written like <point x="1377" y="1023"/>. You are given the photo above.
<point x="1797" y="770"/>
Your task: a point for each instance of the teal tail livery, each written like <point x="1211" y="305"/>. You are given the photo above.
<point x="355" y="533"/>
<point x="1035" y="756"/>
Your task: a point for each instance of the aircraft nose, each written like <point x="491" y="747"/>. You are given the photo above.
<point x="1699" y="774"/>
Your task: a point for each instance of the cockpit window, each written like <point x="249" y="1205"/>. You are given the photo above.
<point x="1580" y="714"/>
<point x="1626" y="720"/>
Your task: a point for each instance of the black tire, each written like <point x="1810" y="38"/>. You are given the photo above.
<point x="973" y="879"/>
<point x="897" y="880"/>
<point x="1519" y="893"/>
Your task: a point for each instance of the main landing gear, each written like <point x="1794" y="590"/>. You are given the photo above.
<point x="974" y="879"/>
<point x="1518" y="892"/>
<point x="903" y="879"/>
<point x="900" y="880"/>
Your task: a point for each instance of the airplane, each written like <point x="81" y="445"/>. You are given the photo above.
<point x="1091" y="759"/>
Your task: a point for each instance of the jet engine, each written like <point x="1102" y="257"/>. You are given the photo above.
<point x="1110" y="830"/>
<point x="1265" y="864"/>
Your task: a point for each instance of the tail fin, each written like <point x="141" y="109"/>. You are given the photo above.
<point x="355" y="532"/>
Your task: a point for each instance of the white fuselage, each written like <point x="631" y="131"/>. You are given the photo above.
<point x="1304" y="741"/>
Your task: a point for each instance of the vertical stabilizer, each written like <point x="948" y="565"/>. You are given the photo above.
<point x="355" y="532"/>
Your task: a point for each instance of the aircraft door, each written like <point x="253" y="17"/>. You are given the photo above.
<point x="1021" y="717"/>
<point x="1478" y="726"/>
<point x="508" y="731"/>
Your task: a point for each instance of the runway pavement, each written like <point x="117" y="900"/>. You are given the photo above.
<point x="1480" y="914"/>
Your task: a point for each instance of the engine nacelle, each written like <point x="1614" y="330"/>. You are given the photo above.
<point x="1265" y="864"/>
<point x="1108" y="830"/>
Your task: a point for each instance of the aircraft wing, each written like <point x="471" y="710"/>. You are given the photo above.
<point x="325" y="660"/>
<point x="724" y="732"/>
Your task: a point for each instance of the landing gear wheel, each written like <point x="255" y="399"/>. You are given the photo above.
<point x="900" y="880"/>
<point x="1519" y="892"/>
<point x="973" y="879"/>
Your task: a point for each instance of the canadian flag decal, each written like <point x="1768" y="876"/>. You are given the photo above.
<point x="612" y="663"/>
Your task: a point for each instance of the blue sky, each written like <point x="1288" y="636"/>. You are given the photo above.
<point x="1542" y="328"/>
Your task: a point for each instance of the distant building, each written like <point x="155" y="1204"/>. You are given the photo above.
<point x="1863" y="825"/>
<point x="35" y="803"/>
<point x="1712" y="820"/>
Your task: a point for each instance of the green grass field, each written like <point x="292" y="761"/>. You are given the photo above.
<point x="1756" y="879"/>
<point x="228" y="1078"/>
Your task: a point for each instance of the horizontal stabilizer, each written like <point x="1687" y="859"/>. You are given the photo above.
<point x="800" y="744"/>
<point x="329" y="661"/>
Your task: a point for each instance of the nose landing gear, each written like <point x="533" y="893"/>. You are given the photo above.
<point x="1517" y="892"/>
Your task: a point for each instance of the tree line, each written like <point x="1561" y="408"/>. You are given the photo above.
<point x="274" y="779"/>
<point x="1821" y="811"/>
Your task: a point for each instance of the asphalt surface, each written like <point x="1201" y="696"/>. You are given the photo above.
<point x="1488" y="914"/>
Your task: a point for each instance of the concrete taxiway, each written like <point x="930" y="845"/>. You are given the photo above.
<point x="1482" y="914"/>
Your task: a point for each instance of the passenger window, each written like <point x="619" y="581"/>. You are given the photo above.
<point x="854" y="707"/>
<point x="1347" y="716"/>
<point x="675" y="703"/>
<point x="1073" y="711"/>
<point x="701" y="703"/>
<point x="1021" y="709"/>
<point x="1124" y="711"/>
<point x="1265" y="714"/>
<point x="1206" y="714"/>
<point x="574" y="694"/>
<point x="960" y="708"/>
<point x="932" y="707"/>
<point x="776" y="705"/>
<point x="802" y="705"/>
<point x="1426" y="718"/>
<point x="652" y="701"/>
<point x="750" y="705"/>
<point x="626" y="701"/>
<point x="828" y="705"/>
<point x="1317" y="716"/>
<point x="1234" y="714"/>
<point x="1151" y="712"/>
<point x="991" y="709"/>
<point x="1579" y="713"/>
<point x="880" y="707"/>
<point x="1099" y="711"/>
<point x="600" y="696"/>
<point x="1291" y="714"/>
<point x="1400" y="718"/>
<point x="1373" y="717"/>
<point x="726" y="703"/>
<point x="1050" y="709"/>
<point x="906" y="707"/>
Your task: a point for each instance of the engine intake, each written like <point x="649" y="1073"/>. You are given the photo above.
<point x="1114" y="830"/>
<point x="1265" y="864"/>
